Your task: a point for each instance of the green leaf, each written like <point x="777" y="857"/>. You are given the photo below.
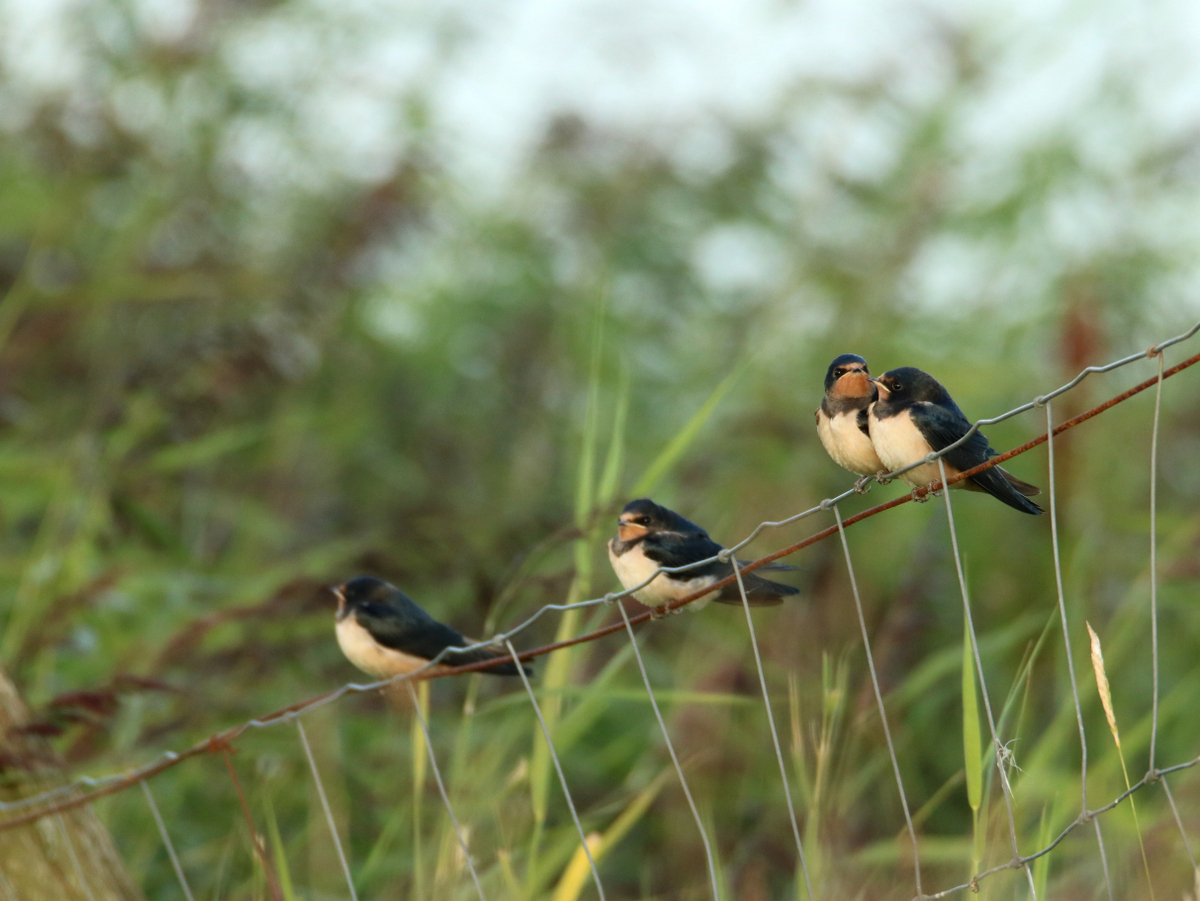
<point x="278" y="851"/>
<point x="611" y="476"/>
<point x="579" y="870"/>
<point x="207" y="449"/>
<point x="972" y="743"/>
<point x="1041" y="866"/>
<point x="677" y="445"/>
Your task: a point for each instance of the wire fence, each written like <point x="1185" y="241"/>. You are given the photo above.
<point x="85" y="790"/>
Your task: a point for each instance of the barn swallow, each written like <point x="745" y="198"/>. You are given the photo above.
<point x="649" y="536"/>
<point x="915" y="415"/>
<point x="383" y="632"/>
<point x="842" y="418"/>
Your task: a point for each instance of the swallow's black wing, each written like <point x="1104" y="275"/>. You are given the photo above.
<point x="413" y="631"/>
<point x="760" y="592"/>
<point x="773" y="566"/>
<point x="941" y="426"/>
<point x="674" y="549"/>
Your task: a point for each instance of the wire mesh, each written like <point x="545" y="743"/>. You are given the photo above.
<point x="562" y="779"/>
<point x="887" y="732"/>
<point x="166" y="838"/>
<point x="687" y="792"/>
<point x="1001" y="757"/>
<point x="84" y="790"/>
<point x="337" y="842"/>
<point x="1066" y="633"/>
<point x="437" y="775"/>
<point x="762" y="680"/>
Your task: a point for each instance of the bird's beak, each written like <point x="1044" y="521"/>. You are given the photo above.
<point x="340" y="594"/>
<point x="883" y="391"/>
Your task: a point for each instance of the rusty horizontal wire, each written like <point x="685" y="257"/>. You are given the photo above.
<point x="99" y="787"/>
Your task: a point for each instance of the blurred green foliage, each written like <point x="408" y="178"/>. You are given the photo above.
<point x="223" y="387"/>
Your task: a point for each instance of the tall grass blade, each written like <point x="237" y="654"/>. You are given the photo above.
<point x="972" y="746"/>
<point x="1041" y="866"/>
<point x="799" y="752"/>
<point x="417" y="743"/>
<point x="281" y="865"/>
<point x="558" y="666"/>
<point x="677" y="445"/>
<point x="382" y="846"/>
<point x="448" y="847"/>
<point x="1109" y="714"/>
<point x="515" y="892"/>
<point x="576" y="874"/>
<point x="610" y="477"/>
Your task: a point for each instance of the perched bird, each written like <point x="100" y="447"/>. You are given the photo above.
<point x="914" y="415"/>
<point x="384" y="633"/>
<point x="649" y="536"/>
<point x="842" y="418"/>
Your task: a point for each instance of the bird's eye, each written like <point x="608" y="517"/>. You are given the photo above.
<point x="896" y="386"/>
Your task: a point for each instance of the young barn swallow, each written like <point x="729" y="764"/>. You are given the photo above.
<point x="649" y="536"/>
<point x="842" y="418"/>
<point x="384" y="633"/>
<point x="915" y="415"/>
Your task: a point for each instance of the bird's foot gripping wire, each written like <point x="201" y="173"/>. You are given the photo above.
<point x="660" y="612"/>
<point x="882" y="477"/>
<point x="933" y="489"/>
<point x="930" y="492"/>
<point x="863" y="485"/>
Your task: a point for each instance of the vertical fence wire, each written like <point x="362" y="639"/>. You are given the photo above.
<point x="557" y="766"/>
<point x="1154" y="562"/>
<point x="1003" y="757"/>
<point x="1062" y="607"/>
<point x="437" y="775"/>
<point x="66" y="835"/>
<point x="708" y="852"/>
<point x="1000" y="751"/>
<point x="1052" y="489"/>
<point x="762" y="680"/>
<point x="166" y="839"/>
<point x="1187" y="845"/>
<point x="887" y="732"/>
<point x="337" y="842"/>
<point x="1103" y="857"/>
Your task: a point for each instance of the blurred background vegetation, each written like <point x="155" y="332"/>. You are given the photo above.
<point x="298" y="290"/>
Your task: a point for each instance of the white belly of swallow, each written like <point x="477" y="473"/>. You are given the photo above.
<point x="370" y="656"/>
<point x="847" y="445"/>
<point x="899" y="443"/>
<point x="634" y="567"/>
